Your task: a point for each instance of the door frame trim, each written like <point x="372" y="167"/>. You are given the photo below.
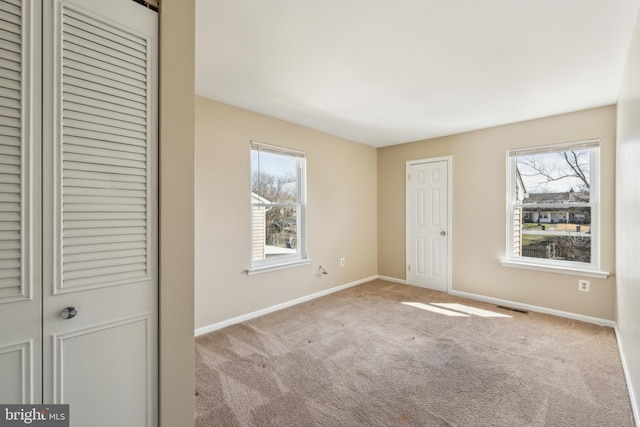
<point x="409" y="163"/>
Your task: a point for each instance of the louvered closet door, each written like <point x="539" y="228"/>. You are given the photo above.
<point x="100" y="210"/>
<point x="20" y="286"/>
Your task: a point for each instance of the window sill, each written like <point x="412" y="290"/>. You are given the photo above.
<point x="554" y="269"/>
<point x="274" y="267"/>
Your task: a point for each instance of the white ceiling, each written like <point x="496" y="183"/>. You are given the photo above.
<point x="384" y="72"/>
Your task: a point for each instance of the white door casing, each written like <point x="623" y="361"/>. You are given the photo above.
<point x="20" y="208"/>
<point x="428" y="218"/>
<point x="79" y="228"/>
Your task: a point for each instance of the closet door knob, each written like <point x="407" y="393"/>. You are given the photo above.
<point x="69" y="313"/>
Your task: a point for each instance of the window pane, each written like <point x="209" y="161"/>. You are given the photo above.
<point x="553" y="202"/>
<point x="555" y="233"/>
<point x="275" y="231"/>
<point x="274" y="177"/>
<point x="277" y="196"/>
<point x="281" y="231"/>
<point x="560" y="177"/>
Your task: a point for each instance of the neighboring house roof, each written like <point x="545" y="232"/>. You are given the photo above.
<point x="256" y="198"/>
<point x="520" y="182"/>
<point x="568" y="196"/>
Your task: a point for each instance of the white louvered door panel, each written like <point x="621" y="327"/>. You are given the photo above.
<point x="20" y="274"/>
<point x="100" y="210"/>
<point x="11" y="148"/>
<point x="105" y="155"/>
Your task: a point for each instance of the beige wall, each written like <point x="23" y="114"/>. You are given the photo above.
<point x="479" y="211"/>
<point x="628" y="216"/>
<point x="177" y="51"/>
<point x="341" y="193"/>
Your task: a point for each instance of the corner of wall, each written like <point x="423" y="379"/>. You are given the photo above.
<point x="176" y="147"/>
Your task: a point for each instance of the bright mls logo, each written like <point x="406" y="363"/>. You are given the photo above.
<point x="34" y="415"/>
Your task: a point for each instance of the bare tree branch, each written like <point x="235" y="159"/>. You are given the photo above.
<point x="572" y="159"/>
<point x="569" y="165"/>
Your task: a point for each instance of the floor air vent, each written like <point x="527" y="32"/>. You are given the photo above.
<point x="519" y="310"/>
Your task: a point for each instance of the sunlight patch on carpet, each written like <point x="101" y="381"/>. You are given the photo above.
<point x="469" y="310"/>
<point x="435" y="309"/>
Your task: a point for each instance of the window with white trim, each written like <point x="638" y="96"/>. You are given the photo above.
<point x="277" y="206"/>
<point x="553" y="198"/>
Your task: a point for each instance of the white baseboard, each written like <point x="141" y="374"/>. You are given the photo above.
<point x="498" y="301"/>
<point x="566" y="314"/>
<point x="392" y="279"/>
<point x="215" y="326"/>
<point x="623" y="360"/>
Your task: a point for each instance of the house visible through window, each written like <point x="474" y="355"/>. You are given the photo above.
<point x="553" y="199"/>
<point x="277" y="206"/>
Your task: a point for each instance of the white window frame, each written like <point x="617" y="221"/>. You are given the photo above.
<point x="591" y="269"/>
<point x="300" y="257"/>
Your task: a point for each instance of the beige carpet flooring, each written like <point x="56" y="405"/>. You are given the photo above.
<point x="385" y="354"/>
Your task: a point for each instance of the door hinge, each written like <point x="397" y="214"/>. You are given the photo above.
<point x="409" y="177"/>
<point x="408" y="267"/>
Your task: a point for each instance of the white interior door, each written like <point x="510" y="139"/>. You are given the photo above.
<point x="99" y="210"/>
<point x="428" y="225"/>
<point x="78" y="208"/>
<point x="20" y="262"/>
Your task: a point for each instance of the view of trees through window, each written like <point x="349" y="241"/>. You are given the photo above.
<point x="277" y="194"/>
<point x="553" y="205"/>
<point x="275" y="188"/>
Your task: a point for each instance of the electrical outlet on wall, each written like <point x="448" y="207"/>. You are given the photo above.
<point x="342" y="262"/>
<point x="583" y="285"/>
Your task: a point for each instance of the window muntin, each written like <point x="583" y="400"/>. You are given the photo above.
<point x="553" y="205"/>
<point x="277" y="205"/>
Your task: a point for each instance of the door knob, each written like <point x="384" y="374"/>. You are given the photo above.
<point x="69" y="313"/>
<point x="442" y="233"/>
